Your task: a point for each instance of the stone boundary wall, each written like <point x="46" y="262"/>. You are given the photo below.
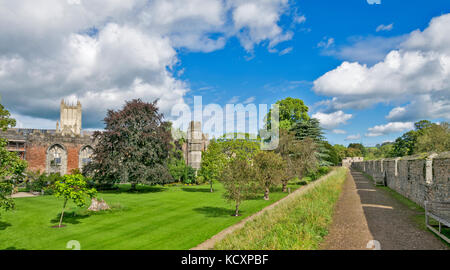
<point x="420" y="179"/>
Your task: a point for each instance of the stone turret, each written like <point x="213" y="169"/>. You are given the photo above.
<point x="70" y="119"/>
<point x="196" y="143"/>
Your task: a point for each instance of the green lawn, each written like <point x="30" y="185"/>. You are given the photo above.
<point x="177" y="217"/>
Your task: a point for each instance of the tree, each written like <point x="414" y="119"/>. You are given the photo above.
<point x="238" y="179"/>
<point x="269" y="170"/>
<point x="359" y="147"/>
<point x="341" y="151"/>
<point x="213" y="162"/>
<point x="311" y="129"/>
<point x="299" y="156"/>
<point x="12" y="167"/>
<point x="292" y="110"/>
<point x="333" y="156"/>
<point x="72" y="187"/>
<point x="404" y="145"/>
<point x="434" y="138"/>
<point x="134" y="147"/>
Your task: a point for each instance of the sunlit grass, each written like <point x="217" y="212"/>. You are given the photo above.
<point x="299" y="223"/>
<point x="176" y="217"/>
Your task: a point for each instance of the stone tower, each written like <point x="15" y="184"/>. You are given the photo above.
<point x="196" y="143"/>
<point x="70" y="119"/>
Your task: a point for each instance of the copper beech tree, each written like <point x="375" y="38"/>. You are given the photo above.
<point x="133" y="148"/>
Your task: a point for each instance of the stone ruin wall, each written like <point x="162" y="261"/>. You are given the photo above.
<point x="37" y="145"/>
<point x="419" y="179"/>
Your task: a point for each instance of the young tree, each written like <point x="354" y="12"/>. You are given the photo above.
<point x="213" y="162"/>
<point x="300" y="156"/>
<point x="73" y="187"/>
<point x="269" y="170"/>
<point x="238" y="179"/>
<point x="134" y="147"/>
<point x="12" y="167"/>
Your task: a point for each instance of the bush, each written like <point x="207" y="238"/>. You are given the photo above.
<point x="316" y="174"/>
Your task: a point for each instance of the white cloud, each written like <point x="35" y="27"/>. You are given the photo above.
<point x="299" y="19"/>
<point x="339" y="131"/>
<point x="326" y="43"/>
<point x="286" y="51"/>
<point x="393" y="127"/>
<point x="355" y="137"/>
<point x="367" y="50"/>
<point x="419" y="70"/>
<point x="106" y="54"/>
<point x="383" y="27"/>
<point x="233" y="100"/>
<point x="249" y="100"/>
<point x="332" y="120"/>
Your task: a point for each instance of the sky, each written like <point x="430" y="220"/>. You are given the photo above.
<point x="367" y="69"/>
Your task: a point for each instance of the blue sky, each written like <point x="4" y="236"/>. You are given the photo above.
<point x="366" y="69"/>
<point x="268" y="77"/>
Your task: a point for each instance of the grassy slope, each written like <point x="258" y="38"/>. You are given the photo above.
<point x="297" y="224"/>
<point x="156" y="218"/>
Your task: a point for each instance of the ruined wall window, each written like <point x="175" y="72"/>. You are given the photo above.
<point x="85" y="156"/>
<point x="56" y="159"/>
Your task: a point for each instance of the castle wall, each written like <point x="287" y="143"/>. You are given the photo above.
<point x="419" y="179"/>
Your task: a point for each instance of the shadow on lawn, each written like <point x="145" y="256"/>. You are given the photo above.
<point x="70" y="217"/>
<point x="139" y="190"/>
<point x="206" y="190"/>
<point x="4" y="225"/>
<point x="216" y="211"/>
<point x="14" y="248"/>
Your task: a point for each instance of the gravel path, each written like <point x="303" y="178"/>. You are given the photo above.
<point x="364" y="213"/>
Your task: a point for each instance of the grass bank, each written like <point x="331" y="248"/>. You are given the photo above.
<point x="299" y="223"/>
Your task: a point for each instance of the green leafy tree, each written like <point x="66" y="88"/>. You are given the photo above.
<point x="238" y="179"/>
<point x="72" y="187"/>
<point x="341" y="151"/>
<point x="311" y="129"/>
<point x="434" y="138"/>
<point x="299" y="156"/>
<point x="269" y="170"/>
<point x="333" y="156"/>
<point x="134" y="147"/>
<point x="292" y="110"/>
<point x="359" y="147"/>
<point x="213" y="162"/>
<point x="12" y="167"/>
<point x="405" y="145"/>
<point x="235" y="148"/>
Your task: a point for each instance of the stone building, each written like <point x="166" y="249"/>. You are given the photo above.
<point x="57" y="150"/>
<point x="197" y="142"/>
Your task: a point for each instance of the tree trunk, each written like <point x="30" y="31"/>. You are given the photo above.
<point x="133" y="187"/>
<point x="212" y="190"/>
<point x="236" y="213"/>
<point x="266" y="194"/>
<point x="62" y="213"/>
<point x="284" y="186"/>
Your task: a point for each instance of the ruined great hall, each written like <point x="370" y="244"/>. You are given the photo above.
<point x="57" y="150"/>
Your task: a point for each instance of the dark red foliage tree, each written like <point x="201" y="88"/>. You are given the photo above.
<point x="133" y="148"/>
